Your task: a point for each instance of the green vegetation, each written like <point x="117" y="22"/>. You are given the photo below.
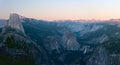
<point x="21" y="60"/>
<point x="113" y="46"/>
<point x="10" y="43"/>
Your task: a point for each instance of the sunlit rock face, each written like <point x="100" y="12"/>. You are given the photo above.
<point x="15" y="22"/>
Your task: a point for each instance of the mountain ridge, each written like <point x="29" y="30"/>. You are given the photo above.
<point x="63" y="43"/>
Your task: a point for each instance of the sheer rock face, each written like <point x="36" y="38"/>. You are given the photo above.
<point x="52" y="44"/>
<point x="99" y="57"/>
<point x="15" y="22"/>
<point x="70" y="42"/>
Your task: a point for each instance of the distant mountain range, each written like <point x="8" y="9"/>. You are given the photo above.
<point x="27" y="41"/>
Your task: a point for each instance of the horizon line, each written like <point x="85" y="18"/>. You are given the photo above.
<point x="80" y="19"/>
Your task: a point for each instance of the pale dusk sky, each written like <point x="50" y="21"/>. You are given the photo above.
<point x="62" y="9"/>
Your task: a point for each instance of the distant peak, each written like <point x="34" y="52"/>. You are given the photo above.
<point x="17" y="15"/>
<point x="15" y="22"/>
<point x="13" y="14"/>
<point x="14" y="17"/>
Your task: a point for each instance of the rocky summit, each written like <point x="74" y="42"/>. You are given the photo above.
<point x="15" y="22"/>
<point x="27" y="41"/>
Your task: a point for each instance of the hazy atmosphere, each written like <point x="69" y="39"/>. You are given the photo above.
<point x="59" y="32"/>
<point x="62" y="9"/>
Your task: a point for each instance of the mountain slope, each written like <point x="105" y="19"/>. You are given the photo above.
<point x="39" y="42"/>
<point x="75" y="42"/>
